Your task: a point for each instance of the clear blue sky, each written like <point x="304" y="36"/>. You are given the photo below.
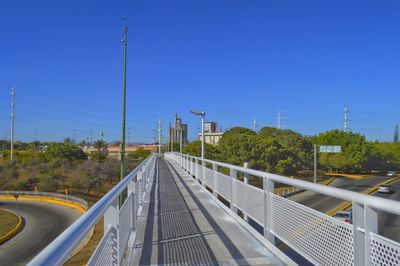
<point x="237" y="60"/>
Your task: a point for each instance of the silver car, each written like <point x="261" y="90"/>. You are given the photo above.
<point x="391" y="173"/>
<point x="385" y="189"/>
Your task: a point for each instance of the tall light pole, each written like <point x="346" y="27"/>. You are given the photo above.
<point x="122" y="149"/>
<point x="12" y="124"/>
<point x="203" y="114"/>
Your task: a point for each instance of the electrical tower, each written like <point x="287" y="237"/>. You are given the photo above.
<point x="345" y="129"/>
<point x="280" y="117"/>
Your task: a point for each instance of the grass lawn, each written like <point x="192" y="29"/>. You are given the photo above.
<point x="7" y="222"/>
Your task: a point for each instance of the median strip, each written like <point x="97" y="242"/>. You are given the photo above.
<point x="7" y="236"/>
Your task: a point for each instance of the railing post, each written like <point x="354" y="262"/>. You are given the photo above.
<point x="359" y="236"/>
<point x="111" y="218"/>
<point x="196" y="166"/>
<point x="203" y="166"/>
<point x="215" y="187"/>
<point x="187" y="163"/>
<point x="268" y="187"/>
<point x="371" y="226"/>
<point x="246" y="181"/>
<point x="233" y="175"/>
<point x="191" y="167"/>
<point x="131" y="190"/>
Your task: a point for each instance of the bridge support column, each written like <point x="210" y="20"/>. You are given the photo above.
<point x="233" y="174"/>
<point x="268" y="187"/>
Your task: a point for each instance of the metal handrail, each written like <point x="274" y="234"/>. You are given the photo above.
<point x="383" y="204"/>
<point x="65" y="244"/>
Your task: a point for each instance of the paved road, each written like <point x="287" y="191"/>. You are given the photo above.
<point x="43" y="223"/>
<point x="324" y="204"/>
<point x="389" y="224"/>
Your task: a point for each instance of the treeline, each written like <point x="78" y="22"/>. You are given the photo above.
<point x="62" y="166"/>
<point x="288" y="152"/>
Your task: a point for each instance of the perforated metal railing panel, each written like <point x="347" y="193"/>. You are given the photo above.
<point x="209" y="177"/>
<point x="320" y="238"/>
<point x="125" y="221"/>
<point x="250" y="201"/>
<point x="384" y="251"/>
<point x="105" y="253"/>
<point x="224" y="186"/>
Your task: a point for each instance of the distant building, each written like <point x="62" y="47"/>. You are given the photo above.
<point x="114" y="150"/>
<point x="211" y="136"/>
<point x="175" y="132"/>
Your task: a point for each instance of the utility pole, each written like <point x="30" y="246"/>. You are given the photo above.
<point x="91" y="138"/>
<point x="255" y="125"/>
<point x="4" y="143"/>
<point x="122" y="149"/>
<point x="12" y="123"/>
<point x="345" y="119"/>
<point x="159" y="136"/>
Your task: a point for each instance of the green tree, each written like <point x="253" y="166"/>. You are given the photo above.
<point x="96" y="155"/>
<point x="64" y="150"/>
<point x="194" y="149"/>
<point x="139" y="154"/>
<point x="354" y="155"/>
<point x="100" y="145"/>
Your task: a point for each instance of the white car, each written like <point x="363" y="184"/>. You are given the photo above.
<point x="344" y="216"/>
<point x="391" y="173"/>
<point x="385" y="189"/>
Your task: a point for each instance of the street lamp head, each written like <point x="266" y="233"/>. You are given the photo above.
<point x="202" y="113"/>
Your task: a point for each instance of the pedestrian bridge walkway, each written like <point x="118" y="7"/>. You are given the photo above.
<point x="176" y="209"/>
<point x="181" y="224"/>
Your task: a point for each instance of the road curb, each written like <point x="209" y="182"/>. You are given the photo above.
<point x="10" y="234"/>
<point x="76" y="206"/>
<point x="46" y="199"/>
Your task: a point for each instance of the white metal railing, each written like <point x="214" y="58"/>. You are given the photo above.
<point x="320" y="238"/>
<point x="81" y="202"/>
<point x="119" y="222"/>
